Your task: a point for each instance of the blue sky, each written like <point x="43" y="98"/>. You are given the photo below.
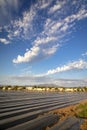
<point x="43" y="42"/>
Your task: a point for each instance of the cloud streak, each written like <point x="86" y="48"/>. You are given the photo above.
<point x="56" y="6"/>
<point x="35" y="54"/>
<point x="37" y="80"/>
<point x="76" y="65"/>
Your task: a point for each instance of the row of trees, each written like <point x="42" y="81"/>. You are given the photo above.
<point x="12" y="87"/>
<point x="43" y="88"/>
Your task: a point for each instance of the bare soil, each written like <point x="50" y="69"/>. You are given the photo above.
<point x="66" y="112"/>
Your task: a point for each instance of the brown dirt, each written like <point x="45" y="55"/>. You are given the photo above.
<point x="84" y="125"/>
<point x="69" y="111"/>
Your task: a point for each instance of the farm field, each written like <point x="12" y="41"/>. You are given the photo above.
<point x="29" y="110"/>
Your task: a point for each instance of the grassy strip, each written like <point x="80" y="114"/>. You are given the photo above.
<point x="81" y="111"/>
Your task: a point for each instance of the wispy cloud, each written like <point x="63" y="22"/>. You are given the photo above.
<point x="44" y="40"/>
<point x="36" y="53"/>
<point x="52" y="33"/>
<point x="76" y="65"/>
<point x="3" y="40"/>
<point x="58" y="5"/>
<point x="84" y="54"/>
<point x="38" y="80"/>
<point x="50" y="50"/>
<point x="71" y="82"/>
<point x="22" y="28"/>
<point x="53" y="27"/>
<point x="42" y="4"/>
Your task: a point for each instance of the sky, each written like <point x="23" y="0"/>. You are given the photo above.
<point x="43" y="42"/>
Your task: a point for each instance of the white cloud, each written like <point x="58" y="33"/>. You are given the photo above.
<point x="3" y="40"/>
<point x="80" y="64"/>
<point x="81" y="14"/>
<point x="51" y="50"/>
<point x="44" y="40"/>
<point x="26" y="27"/>
<point x="51" y="34"/>
<point x="22" y="28"/>
<point x="55" y="27"/>
<point x="56" y="7"/>
<point x="44" y="4"/>
<point x="27" y="49"/>
<point x="36" y="53"/>
<point x="52" y="27"/>
<point x="84" y="54"/>
<point x="65" y="27"/>
<point x="29" y="56"/>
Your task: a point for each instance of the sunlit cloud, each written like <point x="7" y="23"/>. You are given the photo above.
<point x="76" y="65"/>
<point x="36" y="53"/>
<point x="53" y="27"/>
<point x="44" y="40"/>
<point x="58" y="5"/>
<point x="29" y="56"/>
<point x="5" y="41"/>
<point x="53" y="31"/>
<point x="38" y="30"/>
<point x="42" y="4"/>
